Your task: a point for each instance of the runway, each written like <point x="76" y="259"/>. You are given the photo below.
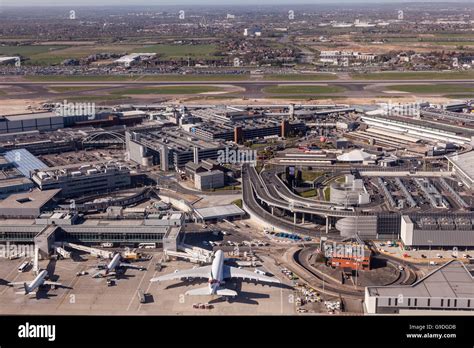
<point x="250" y="89"/>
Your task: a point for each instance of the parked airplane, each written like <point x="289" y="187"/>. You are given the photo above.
<point x="216" y="275"/>
<point x="113" y="265"/>
<point x="35" y="284"/>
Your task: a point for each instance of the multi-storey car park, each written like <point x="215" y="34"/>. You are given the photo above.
<point x="88" y="178"/>
<point x="171" y="148"/>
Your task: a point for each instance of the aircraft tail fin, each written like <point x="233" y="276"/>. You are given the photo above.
<point x="226" y="292"/>
<point x="199" y="291"/>
<point x="24" y="291"/>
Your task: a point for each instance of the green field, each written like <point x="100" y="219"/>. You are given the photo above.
<point x="310" y="176"/>
<point x="81" y="78"/>
<point x="458" y="96"/>
<point x="95" y="98"/>
<point x="300" y="77"/>
<point x="309" y="193"/>
<point x="66" y="89"/>
<point x="146" y="78"/>
<point x="304" y="97"/>
<point x="327" y="193"/>
<point x="203" y="77"/>
<point x="423" y="75"/>
<point x="303" y="89"/>
<point x="168" y="90"/>
<point x="55" y="54"/>
<point x="37" y="54"/>
<point x="432" y="89"/>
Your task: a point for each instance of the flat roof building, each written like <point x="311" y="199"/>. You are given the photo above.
<point x="220" y="212"/>
<point x="448" y="289"/>
<point x="438" y="230"/>
<point x="171" y="148"/>
<point x="79" y="180"/>
<point x="27" y="204"/>
<point x="45" y="121"/>
<point x="462" y="166"/>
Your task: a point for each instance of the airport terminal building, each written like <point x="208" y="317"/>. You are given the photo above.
<point x="447" y="290"/>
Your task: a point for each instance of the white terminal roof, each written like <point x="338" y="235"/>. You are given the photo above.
<point x="219" y="212"/>
<point x="356" y="156"/>
<point x="465" y="162"/>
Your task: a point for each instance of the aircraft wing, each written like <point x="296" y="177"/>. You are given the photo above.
<point x="234" y="272"/>
<point x="128" y="265"/>
<point x="201" y="272"/>
<point x="16" y="283"/>
<point x="52" y="283"/>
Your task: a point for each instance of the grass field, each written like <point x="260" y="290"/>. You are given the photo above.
<point x="304" y="97"/>
<point x="168" y="90"/>
<point x="300" y="77"/>
<point x="96" y="98"/>
<point x="55" y="54"/>
<point x="146" y="78"/>
<point x="36" y="54"/>
<point x="216" y="77"/>
<point x="307" y="175"/>
<point x="66" y="89"/>
<point x="327" y="193"/>
<point x="303" y="89"/>
<point x="458" y="96"/>
<point x="422" y="75"/>
<point x="432" y="89"/>
<point x="309" y="193"/>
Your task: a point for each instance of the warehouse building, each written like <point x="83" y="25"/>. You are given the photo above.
<point x="79" y="180"/>
<point x="447" y="290"/>
<point x="437" y="230"/>
<point x="43" y="121"/>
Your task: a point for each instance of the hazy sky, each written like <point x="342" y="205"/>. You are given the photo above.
<point x="199" y="2"/>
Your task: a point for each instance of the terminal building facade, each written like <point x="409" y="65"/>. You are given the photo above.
<point x="447" y="290"/>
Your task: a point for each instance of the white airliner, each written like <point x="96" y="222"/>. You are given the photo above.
<point x="216" y="275"/>
<point x="35" y="284"/>
<point x="113" y="265"/>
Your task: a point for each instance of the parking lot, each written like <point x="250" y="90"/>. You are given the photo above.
<point x="435" y="256"/>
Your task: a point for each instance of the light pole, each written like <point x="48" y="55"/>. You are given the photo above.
<point x="429" y="257"/>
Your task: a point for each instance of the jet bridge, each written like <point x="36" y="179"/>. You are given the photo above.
<point x="93" y="251"/>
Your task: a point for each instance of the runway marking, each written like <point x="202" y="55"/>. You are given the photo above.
<point x="69" y="287"/>
<point x="147" y="290"/>
<point x="139" y="284"/>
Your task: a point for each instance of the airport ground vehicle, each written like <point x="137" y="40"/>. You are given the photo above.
<point x="147" y="245"/>
<point x="141" y="296"/>
<point x="23" y="266"/>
